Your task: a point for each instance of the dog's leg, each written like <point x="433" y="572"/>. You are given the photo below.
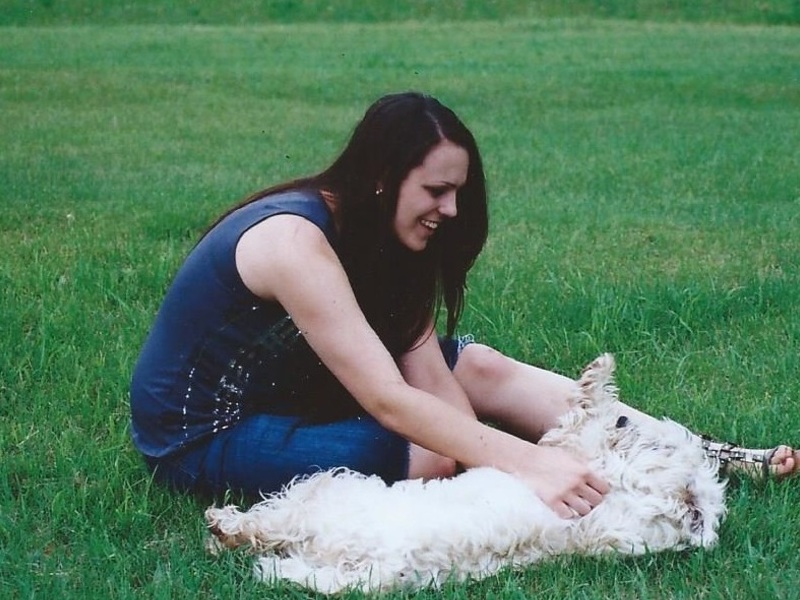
<point x="232" y="528"/>
<point x="325" y="579"/>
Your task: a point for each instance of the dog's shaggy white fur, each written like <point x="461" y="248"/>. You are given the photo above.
<point x="339" y="529"/>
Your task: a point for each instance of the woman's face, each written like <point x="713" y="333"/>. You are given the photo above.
<point x="427" y="195"/>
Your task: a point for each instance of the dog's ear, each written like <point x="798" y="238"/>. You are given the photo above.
<point x="695" y="518"/>
<point x="596" y="385"/>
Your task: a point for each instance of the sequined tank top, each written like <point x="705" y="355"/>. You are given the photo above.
<point x="217" y="352"/>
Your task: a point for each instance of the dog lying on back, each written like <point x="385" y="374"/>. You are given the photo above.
<point x="339" y="529"/>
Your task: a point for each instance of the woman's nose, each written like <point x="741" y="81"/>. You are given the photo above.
<point x="447" y="205"/>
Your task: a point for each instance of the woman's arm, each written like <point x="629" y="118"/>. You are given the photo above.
<point x="287" y="258"/>
<point x="424" y="368"/>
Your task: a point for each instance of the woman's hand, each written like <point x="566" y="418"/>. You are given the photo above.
<point x="563" y="482"/>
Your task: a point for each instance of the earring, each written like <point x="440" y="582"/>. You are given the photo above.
<point x="378" y="191"/>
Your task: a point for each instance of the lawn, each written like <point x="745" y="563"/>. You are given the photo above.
<point x="645" y="200"/>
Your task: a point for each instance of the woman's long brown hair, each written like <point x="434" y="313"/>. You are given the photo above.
<point x="399" y="290"/>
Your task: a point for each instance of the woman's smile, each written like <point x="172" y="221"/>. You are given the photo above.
<point x="428" y="194"/>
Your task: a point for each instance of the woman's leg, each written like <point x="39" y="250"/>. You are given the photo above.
<point x="527" y="401"/>
<point x="520" y="398"/>
<point x="262" y="453"/>
<point x="424" y="464"/>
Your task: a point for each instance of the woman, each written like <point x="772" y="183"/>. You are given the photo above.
<point x="299" y="333"/>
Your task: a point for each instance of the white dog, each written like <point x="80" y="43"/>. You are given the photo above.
<point x="339" y="529"/>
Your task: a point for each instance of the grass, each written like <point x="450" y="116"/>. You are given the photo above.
<point x="243" y="12"/>
<point x="644" y="184"/>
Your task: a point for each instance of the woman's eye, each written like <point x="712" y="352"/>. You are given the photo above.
<point x="436" y="192"/>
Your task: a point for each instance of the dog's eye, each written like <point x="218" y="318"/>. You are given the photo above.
<point x="622" y="421"/>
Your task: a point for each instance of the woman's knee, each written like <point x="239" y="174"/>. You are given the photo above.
<point x="481" y="363"/>
<point x="424" y="464"/>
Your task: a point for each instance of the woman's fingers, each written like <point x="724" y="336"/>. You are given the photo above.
<point x="581" y="503"/>
<point x="596" y="483"/>
<point x="592" y="496"/>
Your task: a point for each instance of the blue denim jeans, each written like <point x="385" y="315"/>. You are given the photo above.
<point x="263" y="452"/>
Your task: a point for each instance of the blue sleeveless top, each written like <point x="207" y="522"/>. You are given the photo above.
<point x="217" y="352"/>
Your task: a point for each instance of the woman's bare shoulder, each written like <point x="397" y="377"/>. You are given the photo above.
<point x="276" y="249"/>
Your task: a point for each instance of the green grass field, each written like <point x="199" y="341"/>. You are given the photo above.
<point x="644" y="174"/>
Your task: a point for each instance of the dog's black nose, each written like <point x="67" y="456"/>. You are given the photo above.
<point x="622" y="421"/>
